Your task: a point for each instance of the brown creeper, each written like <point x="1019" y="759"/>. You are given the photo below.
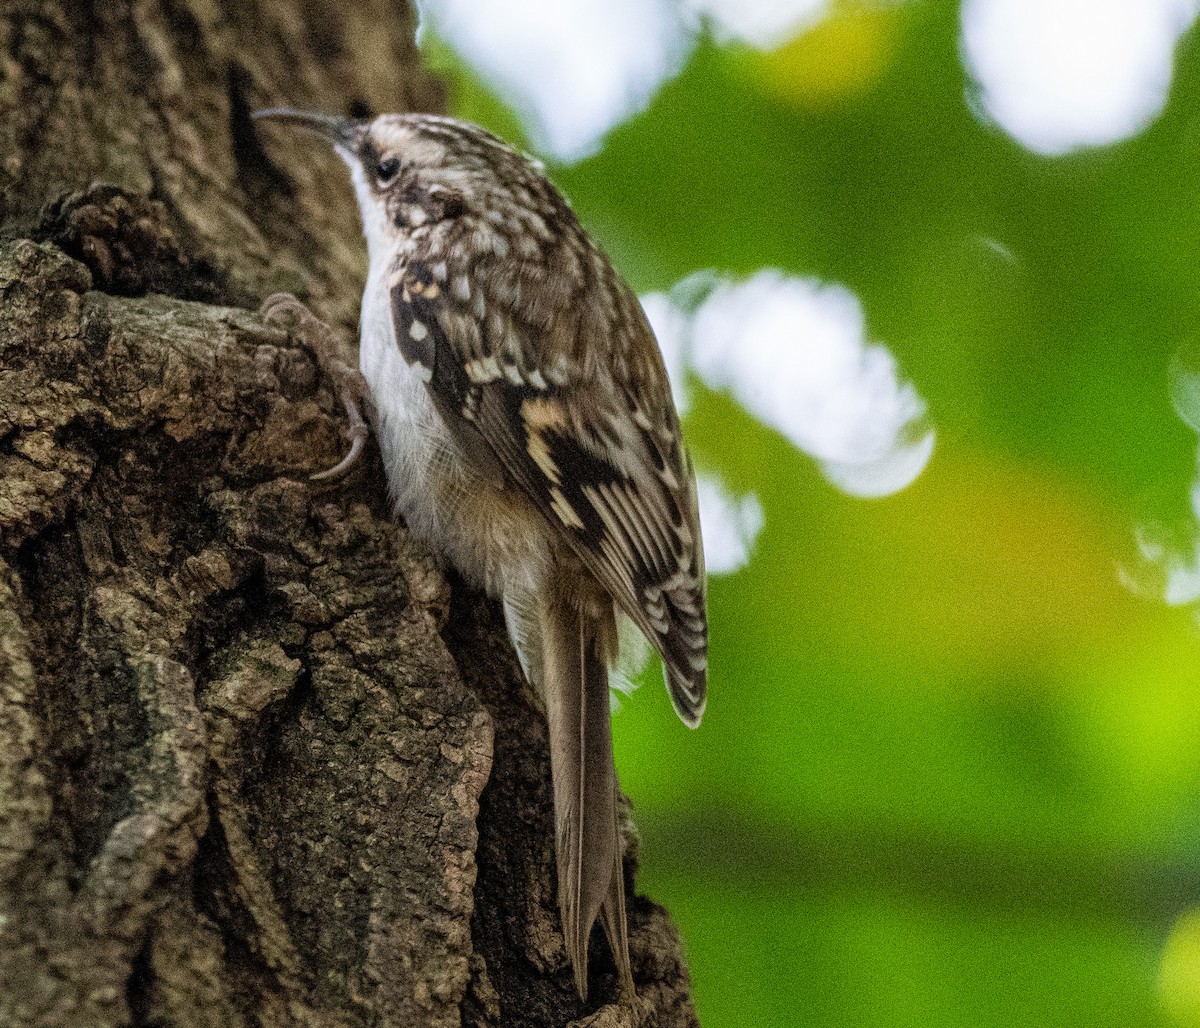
<point x="529" y="436"/>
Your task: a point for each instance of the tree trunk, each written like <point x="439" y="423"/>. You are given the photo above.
<point x="260" y="764"/>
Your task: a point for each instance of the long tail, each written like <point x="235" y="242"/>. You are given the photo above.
<point x="575" y="652"/>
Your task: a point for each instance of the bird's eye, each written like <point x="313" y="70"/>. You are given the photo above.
<point x="387" y="169"/>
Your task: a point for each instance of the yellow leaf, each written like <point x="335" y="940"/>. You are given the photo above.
<point x="839" y="57"/>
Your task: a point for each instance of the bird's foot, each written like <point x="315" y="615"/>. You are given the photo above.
<point x="284" y="311"/>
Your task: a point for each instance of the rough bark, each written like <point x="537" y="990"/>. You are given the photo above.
<point x="260" y="764"/>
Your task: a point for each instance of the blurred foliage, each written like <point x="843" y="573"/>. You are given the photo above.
<point x="950" y="770"/>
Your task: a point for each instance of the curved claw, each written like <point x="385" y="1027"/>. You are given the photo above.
<point x="351" y="386"/>
<point x="359" y="440"/>
<point x="270" y="308"/>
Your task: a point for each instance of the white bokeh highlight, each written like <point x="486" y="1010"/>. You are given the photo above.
<point x="572" y="70"/>
<point x="794" y="352"/>
<point x="730" y="525"/>
<point x="765" y="24"/>
<point x="671" y="323"/>
<point x="1169" y="574"/>
<point x="1058" y="75"/>
<point x="1169" y="567"/>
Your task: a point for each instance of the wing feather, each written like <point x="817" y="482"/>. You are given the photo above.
<point x="598" y="455"/>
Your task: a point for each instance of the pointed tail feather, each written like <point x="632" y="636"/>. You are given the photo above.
<point x="616" y="928"/>
<point x="587" y="836"/>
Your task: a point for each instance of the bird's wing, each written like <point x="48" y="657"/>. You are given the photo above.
<point x="594" y="444"/>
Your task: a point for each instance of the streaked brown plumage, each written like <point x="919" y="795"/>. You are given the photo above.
<point x="529" y="435"/>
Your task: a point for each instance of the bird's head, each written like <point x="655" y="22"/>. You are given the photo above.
<point x="415" y="170"/>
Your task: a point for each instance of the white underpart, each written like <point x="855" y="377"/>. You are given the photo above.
<point x="378" y="234"/>
<point x="441" y="500"/>
<point x="1062" y="74"/>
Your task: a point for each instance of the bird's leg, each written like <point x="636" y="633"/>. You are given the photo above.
<point x="283" y="310"/>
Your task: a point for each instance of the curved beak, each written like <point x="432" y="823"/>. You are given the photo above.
<point x="342" y="132"/>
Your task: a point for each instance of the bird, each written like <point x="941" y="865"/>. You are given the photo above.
<point x="529" y="437"/>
